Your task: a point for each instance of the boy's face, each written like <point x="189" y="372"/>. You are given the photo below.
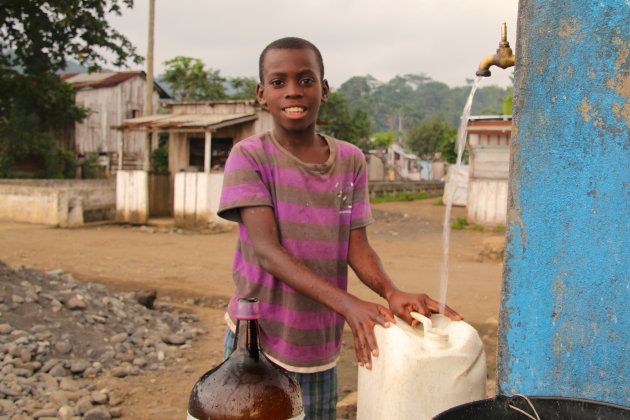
<point x="292" y="88"/>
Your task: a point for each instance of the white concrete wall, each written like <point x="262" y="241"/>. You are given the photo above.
<point x="487" y="202"/>
<point x="132" y="197"/>
<point x="488" y="185"/>
<point x="196" y="199"/>
<point x="57" y="203"/>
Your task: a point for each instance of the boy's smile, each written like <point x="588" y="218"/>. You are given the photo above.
<point x="292" y="89"/>
<point x="296" y="111"/>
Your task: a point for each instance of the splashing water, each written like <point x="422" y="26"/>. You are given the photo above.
<point x="446" y="230"/>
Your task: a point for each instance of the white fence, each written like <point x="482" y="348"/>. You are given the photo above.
<point x="196" y="199"/>
<point x="132" y="197"/>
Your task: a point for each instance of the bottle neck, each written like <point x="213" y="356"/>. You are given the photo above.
<point x="247" y="337"/>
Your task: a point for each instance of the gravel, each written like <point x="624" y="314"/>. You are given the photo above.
<point x="57" y="335"/>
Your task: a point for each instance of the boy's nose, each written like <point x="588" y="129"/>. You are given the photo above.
<point x="293" y="89"/>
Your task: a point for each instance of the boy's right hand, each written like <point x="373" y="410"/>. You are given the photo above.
<point x="362" y="316"/>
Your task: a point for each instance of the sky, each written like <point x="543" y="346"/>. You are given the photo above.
<point x="443" y="39"/>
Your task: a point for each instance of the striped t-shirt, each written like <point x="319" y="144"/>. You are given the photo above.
<point x="315" y="206"/>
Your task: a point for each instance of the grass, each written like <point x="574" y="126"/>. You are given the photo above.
<point x="476" y="227"/>
<point x="462" y="223"/>
<point x="500" y="228"/>
<point x="459" y="223"/>
<point x="401" y="196"/>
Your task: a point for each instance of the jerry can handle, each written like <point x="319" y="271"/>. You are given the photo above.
<point x="426" y="322"/>
<point x="432" y="336"/>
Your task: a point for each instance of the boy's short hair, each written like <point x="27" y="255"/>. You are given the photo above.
<point x="290" y="43"/>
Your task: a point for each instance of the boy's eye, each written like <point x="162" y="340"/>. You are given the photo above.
<point x="276" y="82"/>
<point x="307" y="81"/>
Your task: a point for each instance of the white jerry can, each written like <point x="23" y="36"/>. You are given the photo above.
<point x="422" y="371"/>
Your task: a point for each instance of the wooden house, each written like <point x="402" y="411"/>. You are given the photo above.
<point x="404" y="165"/>
<point x="393" y="163"/>
<point x="111" y="98"/>
<point x="201" y="135"/>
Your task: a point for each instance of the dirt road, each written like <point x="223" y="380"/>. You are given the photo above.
<point x="194" y="271"/>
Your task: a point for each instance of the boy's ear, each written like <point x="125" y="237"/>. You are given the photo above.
<point x="260" y="94"/>
<point x="325" y="90"/>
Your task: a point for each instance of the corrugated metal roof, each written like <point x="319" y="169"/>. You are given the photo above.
<point x="192" y="122"/>
<point x="397" y="148"/>
<point x="490" y="118"/>
<point x="105" y="79"/>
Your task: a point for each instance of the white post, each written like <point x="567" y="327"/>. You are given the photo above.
<point x="207" y="152"/>
<point x="120" y="150"/>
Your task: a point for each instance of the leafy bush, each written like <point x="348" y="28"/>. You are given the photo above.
<point x="459" y="223"/>
<point x="59" y="163"/>
<point x="91" y="168"/>
<point x="160" y="159"/>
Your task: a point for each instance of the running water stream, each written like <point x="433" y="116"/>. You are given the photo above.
<point x="446" y="231"/>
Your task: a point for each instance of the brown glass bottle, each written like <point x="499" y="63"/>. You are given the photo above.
<point x="246" y="385"/>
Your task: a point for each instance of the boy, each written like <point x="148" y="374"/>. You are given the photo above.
<point x="302" y="205"/>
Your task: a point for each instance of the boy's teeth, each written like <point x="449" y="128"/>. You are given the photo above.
<point x="294" y="109"/>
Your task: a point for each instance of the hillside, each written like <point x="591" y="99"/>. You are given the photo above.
<point x="406" y="101"/>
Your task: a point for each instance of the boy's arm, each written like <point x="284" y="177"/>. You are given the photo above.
<point x="361" y="315"/>
<point x="367" y="265"/>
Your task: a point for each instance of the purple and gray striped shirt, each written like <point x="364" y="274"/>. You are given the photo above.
<point x="315" y="206"/>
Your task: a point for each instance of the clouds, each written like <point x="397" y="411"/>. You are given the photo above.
<point x="445" y="39"/>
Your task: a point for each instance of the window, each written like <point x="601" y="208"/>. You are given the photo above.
<point x="133" y="113"/>
<point x="197" y="152"/>
<point x="220" y="150"/>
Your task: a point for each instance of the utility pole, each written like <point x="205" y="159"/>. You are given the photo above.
<point x="148" y="102"/>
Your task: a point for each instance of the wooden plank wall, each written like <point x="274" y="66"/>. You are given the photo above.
<point x="160" y="196"/>
<point x="110" y="106"/>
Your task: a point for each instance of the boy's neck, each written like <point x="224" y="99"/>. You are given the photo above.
<point x="307" y="146"/>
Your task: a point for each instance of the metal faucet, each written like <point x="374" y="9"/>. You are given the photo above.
<point x="503" y="58"/>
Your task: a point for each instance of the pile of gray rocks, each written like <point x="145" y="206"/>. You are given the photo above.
<point x="57" y="335"/>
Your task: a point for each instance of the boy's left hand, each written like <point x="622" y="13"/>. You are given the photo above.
<point x="402" y="304"/>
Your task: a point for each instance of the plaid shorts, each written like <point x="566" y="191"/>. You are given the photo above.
<point x="319" y="390"/>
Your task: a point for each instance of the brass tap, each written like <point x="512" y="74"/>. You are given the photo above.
<point x="503" y="58"/>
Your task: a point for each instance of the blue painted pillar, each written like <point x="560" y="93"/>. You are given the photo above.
<point x="565" y="319"/>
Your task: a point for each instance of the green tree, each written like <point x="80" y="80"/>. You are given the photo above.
<point x="39" y="108"/>
<point x="448" y="152"/>
<point x="507" y="102"/>
<point x="357" y="87"/>
<point x="37" y="40"/>
<point x="191" y="81"/>
<point x="384" y="140"/>
<point x="426" y="139"/>
<point x="336" y="120"/>
<point x="245" y="87"/>
<point x="417" y="80"/>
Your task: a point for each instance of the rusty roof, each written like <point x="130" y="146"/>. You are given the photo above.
<point x="185" y="122"/>
<point x="103" y="79"/>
